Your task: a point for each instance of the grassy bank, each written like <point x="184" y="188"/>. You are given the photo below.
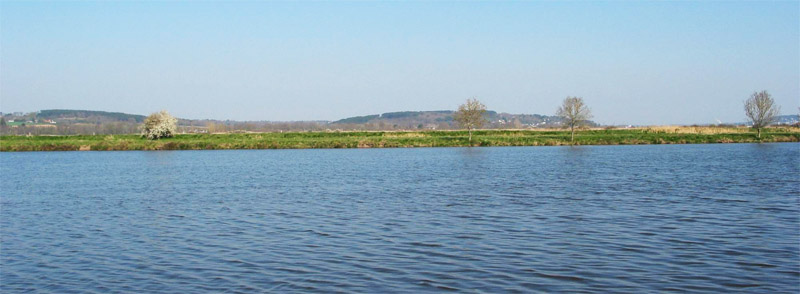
<point x="297" y="140"/>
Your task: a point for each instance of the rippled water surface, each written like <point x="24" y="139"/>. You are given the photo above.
<point x="680" y="218"/>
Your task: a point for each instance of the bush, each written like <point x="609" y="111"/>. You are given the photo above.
<point x="159" y="125"/>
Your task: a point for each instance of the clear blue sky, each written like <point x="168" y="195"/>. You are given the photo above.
<point x="634" y="63"/>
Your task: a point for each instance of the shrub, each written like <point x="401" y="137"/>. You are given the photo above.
<point x="159" y="125"/>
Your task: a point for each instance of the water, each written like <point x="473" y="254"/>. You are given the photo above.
<point x="676" y="218"/>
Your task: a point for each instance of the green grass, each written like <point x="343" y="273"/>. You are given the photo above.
<point x="298" y="140"/>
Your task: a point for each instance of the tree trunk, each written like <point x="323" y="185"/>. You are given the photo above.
<point x="572" y="139"/>
<point x="470" y="136"/>
<point x="759" y="132"/>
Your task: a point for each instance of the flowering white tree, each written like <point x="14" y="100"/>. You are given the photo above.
<point x="159" y="125"/>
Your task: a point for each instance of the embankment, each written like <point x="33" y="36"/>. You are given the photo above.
<point x="299" y="140"/>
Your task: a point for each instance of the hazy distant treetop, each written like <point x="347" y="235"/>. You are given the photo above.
<point x="574" y="109"/>
<point x="470" y="114"/>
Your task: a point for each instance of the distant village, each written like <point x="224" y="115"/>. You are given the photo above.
<point x="19" y="120"/>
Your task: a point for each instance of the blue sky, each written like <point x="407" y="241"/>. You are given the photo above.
<point x="632" y="62"/>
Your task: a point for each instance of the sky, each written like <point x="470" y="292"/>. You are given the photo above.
<point x="632" y="62"/>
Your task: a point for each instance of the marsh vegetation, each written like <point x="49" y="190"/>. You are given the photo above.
<point x="304" y="140"/>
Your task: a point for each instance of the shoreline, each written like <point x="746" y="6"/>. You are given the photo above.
<point x="397" y="139"/>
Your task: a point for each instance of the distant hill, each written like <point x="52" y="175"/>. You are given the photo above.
<point x="788" y="119"/>
<point x="442" y="119"/>
<point x="87" y="116"/>
<point x="71" y="122"/>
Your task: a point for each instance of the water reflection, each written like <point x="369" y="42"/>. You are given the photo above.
<point x="471" y="152"/>
<point x="159" y="158"/>
<point x="157" y="166"/>
<point x="576" y="150"/>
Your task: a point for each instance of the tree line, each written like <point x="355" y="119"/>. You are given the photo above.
<point x="760" y="109"/>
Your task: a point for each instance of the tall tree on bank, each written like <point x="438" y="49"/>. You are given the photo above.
<point x="761" y="110"/>
<point x="574" y="112"/>
<point x="470" y="115"/>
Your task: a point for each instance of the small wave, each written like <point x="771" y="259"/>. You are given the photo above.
<point x="422" y="244"/>
<point x="561" y="277"/>
<point x="739" y="285"/>
<point x="755" y="264"/>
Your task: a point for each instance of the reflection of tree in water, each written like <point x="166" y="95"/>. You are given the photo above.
<point x="577" y="168"/>
<point x="473" y="152"/>
<point x="472" y="168"/>
<point x="159" y="166"/>
<point x="575" y="155"/>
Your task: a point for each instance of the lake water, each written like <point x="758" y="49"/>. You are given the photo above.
<point x="627" y="219"/>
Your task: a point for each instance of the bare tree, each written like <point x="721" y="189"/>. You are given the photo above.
<point x="574" y="112"/>
<point x="470" y="115"/>
<point x="761" y="110"/>
<point x="159" y="125"/>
